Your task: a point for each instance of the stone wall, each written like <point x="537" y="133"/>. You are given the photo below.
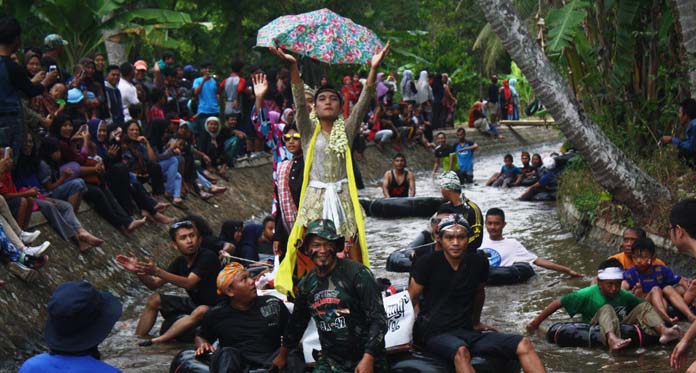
<point x="606" y="236"/>
<point x="24" y="305"/>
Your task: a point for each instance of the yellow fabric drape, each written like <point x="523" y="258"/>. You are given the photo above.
<point x="283" y="279"/>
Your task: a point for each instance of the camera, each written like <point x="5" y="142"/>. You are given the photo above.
<point x="52" y="68"/>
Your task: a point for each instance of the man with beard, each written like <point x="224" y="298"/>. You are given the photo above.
<point x="195" y="271"/>
<point x="343" y="299"/>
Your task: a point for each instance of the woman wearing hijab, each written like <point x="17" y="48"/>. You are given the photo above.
<point x="515" y="100"/>
<point x="425" y="92"/>
<point x="505" y="100"/>
<point x="382" y="88"/>
<point x="438" y="116"/>
<point x="128" y="194"/>
<point x="408" y="88"/>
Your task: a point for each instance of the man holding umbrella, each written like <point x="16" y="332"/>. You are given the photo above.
<point x="329" y="189"/>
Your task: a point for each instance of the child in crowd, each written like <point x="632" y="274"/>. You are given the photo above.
<point x="509" y="175"/>
<point x="625" y="257"/>
<point x="656" y="283"/>
<point x="608" y="305"/>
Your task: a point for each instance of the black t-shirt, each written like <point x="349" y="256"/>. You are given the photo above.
<point x="254" y="331"/>
<point x="493" y="93"/>
<point x="448" y="295"/>
<point x="443" y="151"/>
<point x="206" y="266"/>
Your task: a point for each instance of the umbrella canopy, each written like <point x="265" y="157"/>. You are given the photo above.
<point x="321" y="35"/>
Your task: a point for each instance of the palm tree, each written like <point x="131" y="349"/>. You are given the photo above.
<point x="685" y="11"/>
<point x="612" y="169"/>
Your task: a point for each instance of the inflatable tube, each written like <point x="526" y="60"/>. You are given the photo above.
<point x="186" y="337"/>
<point x="415" y="361"/>
<point x="186" y="362"/>
<point x="543" y="197"/>
<point x="403" y="362"/>
<point x="514" y="274"/>
<point x="573" y="334"/>
<point x="400" y="261"/>
<point x="422" y="207"/>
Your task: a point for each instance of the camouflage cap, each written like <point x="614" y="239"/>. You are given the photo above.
<point x="323" y="228"/>
<point x="54" y="40"/>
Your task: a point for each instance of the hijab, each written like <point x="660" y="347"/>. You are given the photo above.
<point x="157" y="128"/>
<point x="102" y="148"/>
<point x="507" y="93"/>
<point x="423" y="87"/>
<point x="408" y="76"/>
<point x="284" y="117"/>
<point x="477" y="106"/>
<point x="216" y="133"/>
<point x="513" y="82"/>
<point x="382" y="88"/>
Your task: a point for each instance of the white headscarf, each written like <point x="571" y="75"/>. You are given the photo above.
<point x="423" y="87"/>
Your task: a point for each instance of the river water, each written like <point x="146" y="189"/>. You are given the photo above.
<point x="508" y="308"/>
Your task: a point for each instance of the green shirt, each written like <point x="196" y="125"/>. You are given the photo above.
<point x="589" y="300"/>
<point x="348" y="310"/>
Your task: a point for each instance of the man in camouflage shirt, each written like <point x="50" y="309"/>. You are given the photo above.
<point x="345" y="302"/>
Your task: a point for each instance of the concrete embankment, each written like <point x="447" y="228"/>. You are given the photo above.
<point x="606" y="236"/>
<point x="249" y="196"/>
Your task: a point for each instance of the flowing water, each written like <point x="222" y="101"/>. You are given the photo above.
<point x="508" y="308"/>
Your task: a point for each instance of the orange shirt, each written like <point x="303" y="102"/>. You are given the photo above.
<point x="627" y="262"/>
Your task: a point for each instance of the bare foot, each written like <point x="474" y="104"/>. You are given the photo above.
<point x="217" y="189"/>
<point x="87" y="237"/>
<point x="136" y="223"/>
<point x="163" y="219"/>
<point x="83" y="246"/>
<point x="615" y="343"/>
<point x="162" y="206"/>
<point x="670" y="334"/>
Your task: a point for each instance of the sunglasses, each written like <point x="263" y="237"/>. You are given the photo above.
<point x="183" y="223"/>
<point x="289" y="137"/>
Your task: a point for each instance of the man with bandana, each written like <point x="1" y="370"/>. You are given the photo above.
<point x="608" y="305"/>
<point x="248" y="326"/>
<point x="448" y="289"/>
<point x="457" y="203"/>
<point x="343" y="299"/>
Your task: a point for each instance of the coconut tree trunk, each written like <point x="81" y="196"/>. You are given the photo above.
<point x="685" y="15"/>
<point x="609" y="165"/>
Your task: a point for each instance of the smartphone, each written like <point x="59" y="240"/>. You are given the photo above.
<point x="52" y="68"/>
<point x="7" y="152"/>
<point x="84" y="128"/>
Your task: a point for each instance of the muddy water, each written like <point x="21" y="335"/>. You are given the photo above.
<point x="508" y="308"/>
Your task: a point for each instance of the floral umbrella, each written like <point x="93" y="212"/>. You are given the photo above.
<point x="321" y="35"/>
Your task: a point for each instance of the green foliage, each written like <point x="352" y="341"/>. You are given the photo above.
<point x="564" y="24"/>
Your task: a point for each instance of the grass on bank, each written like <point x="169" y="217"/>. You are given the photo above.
<point x="590" y="198"/>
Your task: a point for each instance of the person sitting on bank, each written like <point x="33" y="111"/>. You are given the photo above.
<point x="608" y="305"/>
<point x="686" y="146"/>
<point x="509" y="175"/>
<point x="344" y="300"/>
<point x="504" y="252"/>
<point x="625" y="257"/>
<point x="457" y="203"/>
<point x="398" y="182"/>
<point x="656" y="283"/>
<point x="195" y="270"/>
<point x="80" y="317"/>
<point x="248" y="327"/>
<point x="451" y="283"/>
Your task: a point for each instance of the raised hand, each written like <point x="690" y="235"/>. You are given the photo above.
<point x="379" y="55"/>
<point x="260" y="84"/>
<point x="285" y="57"/>
<point x="130" y="263"/>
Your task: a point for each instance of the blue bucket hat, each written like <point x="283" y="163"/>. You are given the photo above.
<point x="75" y="96"/>
<point x="80" y="317"/>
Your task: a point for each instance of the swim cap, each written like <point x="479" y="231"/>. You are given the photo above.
<point x="450" y="181"/>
